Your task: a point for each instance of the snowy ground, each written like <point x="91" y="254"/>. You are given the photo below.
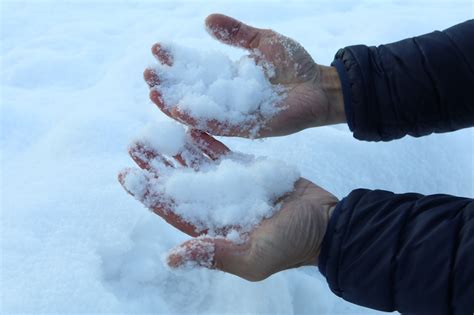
<point x="72" y="97"/>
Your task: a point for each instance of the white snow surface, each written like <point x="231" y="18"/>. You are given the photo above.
<point x="72" y="98"/>
<point x="235" y="190"/>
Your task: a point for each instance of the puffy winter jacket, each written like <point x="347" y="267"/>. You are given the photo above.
<point x="405" y="252"/>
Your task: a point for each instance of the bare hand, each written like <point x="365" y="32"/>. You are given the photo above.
<point x="314" y="96"/>
<point x="291" y="238"/>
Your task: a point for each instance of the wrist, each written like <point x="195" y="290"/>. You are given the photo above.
<point x="331" y="85"/>
<point x="327" y="210"/>
<point x="331" y="210"/>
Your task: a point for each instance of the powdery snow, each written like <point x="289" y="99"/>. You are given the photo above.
<point x="166" y="137"/>
<point x="209" y="85"/>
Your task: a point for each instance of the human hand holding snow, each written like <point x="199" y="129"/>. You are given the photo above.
<point x="377" y="240"/>
<point x="310" y="93"/>
<point x="288" y="235"/>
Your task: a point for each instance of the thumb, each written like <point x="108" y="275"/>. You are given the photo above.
<point x="233" y="32"/>
<point x="212" y="253"/>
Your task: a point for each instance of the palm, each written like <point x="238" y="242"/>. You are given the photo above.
<point x="306" y="103"/>
<point x="289" y="239"/>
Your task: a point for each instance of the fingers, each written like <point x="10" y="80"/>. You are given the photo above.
<point x="191" y="157"/>
<point x="233" y="32"/>
<point x="200" y="147"/>
<point x="147" y="158"/>
<point x="163" y="56"/>
<point x="145" y="186"/>
<point x="213" y="126"/>
<point x="150" y="77"/>
<point x="156" y="98"/>
<point x="183" y="117"/>
<point x="194" y="252"/>
<point x="213" y="253"/>
<point x="208" y="145"/>
<point x="138" y="184"/>
<point x="142" y="186"/>
<point x="218" y="128"/>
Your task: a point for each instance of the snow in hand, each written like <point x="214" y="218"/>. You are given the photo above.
<point x="208" y="85"/>
<point x="233" y="190"/>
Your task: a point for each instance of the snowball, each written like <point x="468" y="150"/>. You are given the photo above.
<point x="209" y="85"/>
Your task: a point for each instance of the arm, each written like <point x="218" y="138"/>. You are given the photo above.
<point x="407" y="252"/>
<point x="415" y="86"/>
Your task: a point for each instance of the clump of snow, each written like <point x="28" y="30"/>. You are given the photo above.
<point x="235" y="236"/>
<point x="233" y="191"/>
<point x="236" y="190"/>
<point x="209" y="85"/>
<point x="167" y="137"/>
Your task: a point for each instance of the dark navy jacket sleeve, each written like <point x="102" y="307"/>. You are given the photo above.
<point x="404" y="252"/>
<point x="416" y="86"/>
